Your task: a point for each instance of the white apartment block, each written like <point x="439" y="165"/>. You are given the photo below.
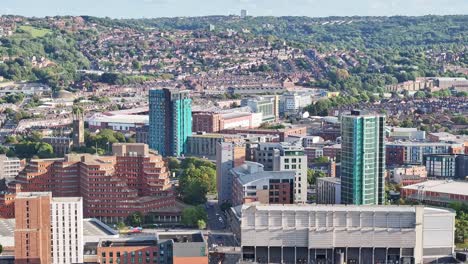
<point x="67" y="230"/>
<point x="9" y="167"/>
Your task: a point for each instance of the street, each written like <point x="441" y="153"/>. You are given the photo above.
<point x="219" y="236"/>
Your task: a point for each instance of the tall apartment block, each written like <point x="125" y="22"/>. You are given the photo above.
<point x="228" y="156"/>
<point x="48" y="230"/>
<point x="285" y="157"/>
<point x="170" y="121"/>
<point x="112" y="187"/>
<point x="362" y="159"/>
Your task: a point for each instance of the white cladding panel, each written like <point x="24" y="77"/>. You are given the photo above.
<point x="436" y="228"/>
<point x="320" y="238"/>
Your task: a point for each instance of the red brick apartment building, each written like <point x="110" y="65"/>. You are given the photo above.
<point x="32" y="231"/>
<point x="112" y="187"/>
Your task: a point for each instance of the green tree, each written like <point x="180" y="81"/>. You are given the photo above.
<point x="135" y="219"/>
<point x="173" y="164"/>
<point x="44" y="150"/>
<point x="121" y="225"/>
<point x="191" y="215"/>
<point x="196" y="182"/>
<point x="322" y="159"/>
<point x="313" y="175"/>
<point x="201" y="224"/>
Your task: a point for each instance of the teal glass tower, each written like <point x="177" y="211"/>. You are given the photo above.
<point x="170" y="121"/>
<point x="362" y="159"/>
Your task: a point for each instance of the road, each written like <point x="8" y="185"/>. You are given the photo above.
<point x="219" y="235"/>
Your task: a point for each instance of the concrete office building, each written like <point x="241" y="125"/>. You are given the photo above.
<point x="228" y="156"/>
<point x="362" y="158"/>
<point x="48" y="230"/>
<point x="345" y="233"/>
<point x="405" y="133"/>
<point x="446" y="166"/>
<point x="267" y="105"/>
<point x="251" y="184"/>
<point x="9" y="167"/>
<point x="328" y="190"/>
<point x="285" y="157"/>
<point x="293" y="102"/>
<point x="170" y="122"/>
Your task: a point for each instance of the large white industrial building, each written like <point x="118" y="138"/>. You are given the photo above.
<point x="345" y="233"/>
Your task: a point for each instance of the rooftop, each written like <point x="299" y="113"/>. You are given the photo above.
<point x="129" y="119"/>
<point x="330" y="208"/>
<point x="148" y="241"/>
<point x="7" y="228"/>
<point x="441" y="186"/>
<point x="66" y="199"/>
<point x="32" y="194"/>
<point x="181" y="237"/>
<point x="330" y="179"/>
<point x="94" y="227"/>
<point x="251" y="178"/>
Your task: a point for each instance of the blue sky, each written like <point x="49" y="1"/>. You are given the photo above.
<point x="170" y="8"/>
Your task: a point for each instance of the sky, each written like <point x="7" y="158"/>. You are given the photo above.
<point x="172" y="8"/>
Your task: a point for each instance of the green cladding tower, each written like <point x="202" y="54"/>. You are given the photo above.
<point x="170" y="121"/>
<point x="362" y="159"/>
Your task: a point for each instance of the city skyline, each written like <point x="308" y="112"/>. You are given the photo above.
<point x="171" y="8"/>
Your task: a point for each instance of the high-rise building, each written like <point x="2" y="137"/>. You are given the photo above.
<point x="48" y="230"/>
<point x="285" y="157"/>
<point x="362" y="158"/>
<point x="67" y="230"/>
<point x="170" y="121"/>
<point x="228" y="156"/>
<point x="32" y="230"/>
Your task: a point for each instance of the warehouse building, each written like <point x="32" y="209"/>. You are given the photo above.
<point x="345" y="233"/>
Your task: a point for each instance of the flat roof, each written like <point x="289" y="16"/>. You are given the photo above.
<point x="330" y="208"/>
<point x="91" y="227"/>
<point x="181" y="237"/>
<point x="94" y="227"/>
<point x="330" y="179"/>
<point x="32" y="194"/>
<point x="67" y="199"/>
<point x="129" y="241"/>
<point x="278" y="175"/>
<point x="127" y="119"/>
<point x="442" y="186"/>
<point x="7" y="227"/>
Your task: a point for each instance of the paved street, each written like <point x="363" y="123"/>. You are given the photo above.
<point x="219" y="235"/>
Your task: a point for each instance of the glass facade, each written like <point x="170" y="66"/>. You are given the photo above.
<point x="170" y="121"/>
<point x="362" y="159"/>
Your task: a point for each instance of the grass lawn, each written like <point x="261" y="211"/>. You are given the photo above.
<point x="35" y="32"/>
